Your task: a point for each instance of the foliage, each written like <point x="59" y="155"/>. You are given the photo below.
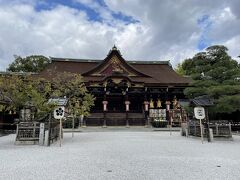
<point x="216" y="74"/>
<point x="179" y="69"/>
<point x="72" y="86"/>
<point x="34" y="63"/>
<point x="26" y="91"/>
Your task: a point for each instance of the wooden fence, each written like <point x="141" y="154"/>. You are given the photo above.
<point x="29" y="132"/>
<point x="219" y="129"/>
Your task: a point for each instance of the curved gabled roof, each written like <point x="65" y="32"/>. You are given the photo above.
<point x="107" y="62"/>
<point x="92" y="70"/>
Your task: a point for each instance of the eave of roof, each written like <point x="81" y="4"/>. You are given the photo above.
<point x="98" y="61"/>
<point x="16" y="73"/>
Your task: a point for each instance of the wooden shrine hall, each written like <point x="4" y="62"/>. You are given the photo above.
<point x="127" y="92"/>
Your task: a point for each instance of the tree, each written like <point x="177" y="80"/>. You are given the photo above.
<point x="34" y="63"/>
<point x="216" y="74"/>
<point x="26" y="90"/>
<point x="71" y="85"/>
<point x="179" y="69"/>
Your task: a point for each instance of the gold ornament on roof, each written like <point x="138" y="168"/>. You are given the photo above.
<point x="116" y="65"/>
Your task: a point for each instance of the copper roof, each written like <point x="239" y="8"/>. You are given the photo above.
<point x="148" y="72"/>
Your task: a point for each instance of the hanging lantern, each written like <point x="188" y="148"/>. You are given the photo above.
<point x="105" y="105"/>
<point x="146" y="103"/>
<point x="159" y="103"/>
<point x="168" y="105"/>
<point x="127" y="103"/>
<point x="151" y="104"/>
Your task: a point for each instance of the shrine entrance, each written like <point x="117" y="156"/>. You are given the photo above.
<point x="116" y="103"/>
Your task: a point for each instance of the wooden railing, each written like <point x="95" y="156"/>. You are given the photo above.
<point x="219" y="130"/>
<point x="29" y="132"/>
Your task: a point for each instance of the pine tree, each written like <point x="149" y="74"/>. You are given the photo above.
<point x="216" y="74"/>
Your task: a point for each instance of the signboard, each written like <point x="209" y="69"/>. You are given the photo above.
<point x="59" y="112"/>
<point x="199" y="112"/>
<point x="158" y="113"/>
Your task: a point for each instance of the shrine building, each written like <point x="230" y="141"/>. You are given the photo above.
<point x="127" y="92"/>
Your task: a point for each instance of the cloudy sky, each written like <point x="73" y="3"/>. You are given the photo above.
<point x="142" y="29"/>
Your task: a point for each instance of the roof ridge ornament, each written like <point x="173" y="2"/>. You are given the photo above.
<point x="114" y="47"/>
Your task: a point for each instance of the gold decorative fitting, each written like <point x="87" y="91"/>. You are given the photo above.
<point x="116" y="81"/>
<point x="116" y="65"/>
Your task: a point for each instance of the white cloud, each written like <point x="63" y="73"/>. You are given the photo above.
<point x="233" y="45"/>
<point x="166" y="29"/>
<point x="174" y="29"/>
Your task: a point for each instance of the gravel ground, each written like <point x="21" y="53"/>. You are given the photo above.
<point x="121" y="155"/>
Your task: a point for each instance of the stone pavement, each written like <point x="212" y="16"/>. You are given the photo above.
<point x="121" y="155"/>
<point x="120" y="129"/>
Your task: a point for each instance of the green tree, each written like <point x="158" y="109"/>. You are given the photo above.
<point x="26" y="90"/>
<point x="216" y="74"/>
<point x="179" y="69"/>
<point x="34" y="63"/>
<point x="71" y="85"/>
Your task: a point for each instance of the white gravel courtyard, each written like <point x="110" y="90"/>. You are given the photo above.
<point x="121" y="155"/>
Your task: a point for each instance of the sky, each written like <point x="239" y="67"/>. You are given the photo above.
<point x="141" y="29"/>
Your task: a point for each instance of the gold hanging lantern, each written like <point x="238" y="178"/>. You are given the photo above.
<point x="151" y="104"/>
<point x="159" y="103"/>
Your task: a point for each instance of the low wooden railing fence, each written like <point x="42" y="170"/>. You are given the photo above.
<point x="37" y="133"/>
<point x="219" y="129"/>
